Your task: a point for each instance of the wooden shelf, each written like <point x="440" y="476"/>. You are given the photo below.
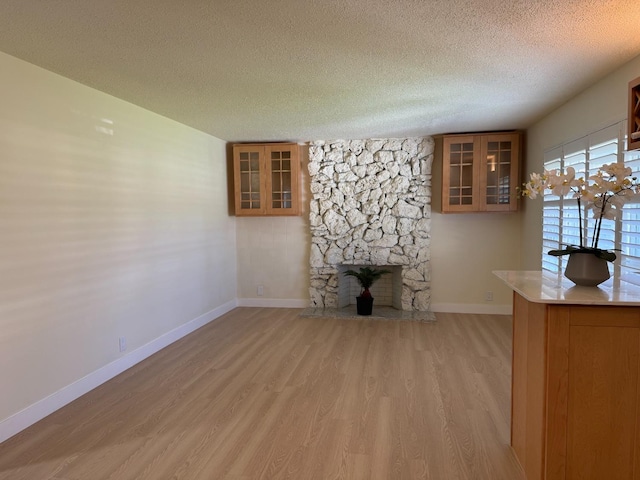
<point x="633" y="123"/>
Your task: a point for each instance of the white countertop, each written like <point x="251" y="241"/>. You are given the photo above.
<point x="545" y="287"/>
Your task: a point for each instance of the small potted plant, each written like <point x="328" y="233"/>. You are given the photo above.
<point x="366" y="277"/>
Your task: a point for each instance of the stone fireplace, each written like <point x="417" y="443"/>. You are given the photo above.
<point x="371" y="206"/>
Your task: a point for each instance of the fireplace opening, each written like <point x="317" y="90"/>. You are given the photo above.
<point x="386" y="291"/>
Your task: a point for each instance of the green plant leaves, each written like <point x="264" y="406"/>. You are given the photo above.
<point x="607" y="255"/>
<point x="367" y="276"/>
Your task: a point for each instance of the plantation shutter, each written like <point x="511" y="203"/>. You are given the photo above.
<point x="561" y="225"/>
<point x="574" y="155"/>
<point x="603" y="149"/>
<point x="551" y="216"/>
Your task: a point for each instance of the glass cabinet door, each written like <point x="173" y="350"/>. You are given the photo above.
<point x="250" y="190"/>
<point x="280" y="179"/>
<point x="460" y="174"/>
<point x="499" y="178"/>
<point x="283" y="177"/>
<point x="498" y="171"/>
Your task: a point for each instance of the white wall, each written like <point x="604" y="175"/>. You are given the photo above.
<point x="465" y="249"/>
<point x="602" y="104"/>
<point x="274" y="252"/>
<point x="113" y="223"/>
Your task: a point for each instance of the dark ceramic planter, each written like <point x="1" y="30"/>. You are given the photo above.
<point x="364" y="305"/>
<point x="586" y="269"/>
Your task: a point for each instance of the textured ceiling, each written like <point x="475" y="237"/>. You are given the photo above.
<point x="319" y="69"/>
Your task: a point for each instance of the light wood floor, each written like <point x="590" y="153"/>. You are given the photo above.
<point x="262" y="394"/>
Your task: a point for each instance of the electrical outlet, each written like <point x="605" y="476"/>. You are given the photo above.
<point x="260" y="290"/>
<point x="122" y="343"/>
<point x="488" y="296"/>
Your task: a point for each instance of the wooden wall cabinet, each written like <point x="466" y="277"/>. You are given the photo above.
<point x="266" y="179"/>
<point x="576" y="391"/>
<point x="480" y="172"/>
<point x="633" y="122"/>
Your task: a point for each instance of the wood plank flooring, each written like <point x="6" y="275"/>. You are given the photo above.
<point x="263" y="394"/>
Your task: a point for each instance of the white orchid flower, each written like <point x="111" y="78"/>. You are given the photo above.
<point x="618" y="170"/>
<point x="608" y="212"/>
<point x="562" y="184"/>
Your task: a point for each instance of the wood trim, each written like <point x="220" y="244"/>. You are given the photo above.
<point x="536" y="389"/>
<point x="518" y="385"/>
<point x="603" y="385"/>
<point x="595" y="316"/>
<point x="557" y="392"/>
<point x="636" y="466"/>
<point x="529" y="385"/>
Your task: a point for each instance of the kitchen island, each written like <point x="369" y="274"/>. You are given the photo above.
<point x="575" y="377"/>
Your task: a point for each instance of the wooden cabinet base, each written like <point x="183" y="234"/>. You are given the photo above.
<point x="575" y="391"/>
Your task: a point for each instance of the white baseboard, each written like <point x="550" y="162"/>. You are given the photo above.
<point x="37" y="411"/>
<point x="273" y="302"/>
<point x="472" y="308"/>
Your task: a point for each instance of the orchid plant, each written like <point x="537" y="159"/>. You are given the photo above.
<point x="603" y="193"/>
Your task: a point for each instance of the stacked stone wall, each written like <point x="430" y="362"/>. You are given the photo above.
<point x="371" y="205"/>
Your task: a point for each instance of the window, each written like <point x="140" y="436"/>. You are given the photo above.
<point x="560" y="215"/>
